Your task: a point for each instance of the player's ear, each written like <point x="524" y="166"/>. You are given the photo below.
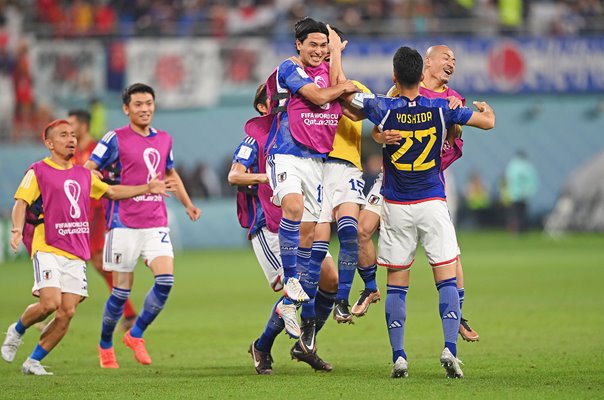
<point x="422" y="78"/>
<point x="298" y="45"/>
<point x="125" y="109"/>
<point x="393" y="78"/>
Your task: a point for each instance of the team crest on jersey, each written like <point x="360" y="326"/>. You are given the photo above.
<point x="46" y="274"/>
<point x="412" y="104"/>
<point x="373" y="200"/>
<point x="282" y="177"/>
<point x="117" y="258"/>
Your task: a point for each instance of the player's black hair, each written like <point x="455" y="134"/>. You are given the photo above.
<point x="408" y="66"/>
<point x="82" y="116"/>
<point x="261" y="97"/>
<point x="136" y="88"/>
<point x="306" y="26"/>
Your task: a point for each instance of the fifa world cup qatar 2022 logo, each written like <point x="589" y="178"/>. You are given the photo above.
<point x="152" y="159"/>
<point x="72" y="191"/>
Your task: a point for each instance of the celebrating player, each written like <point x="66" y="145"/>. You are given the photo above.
<point x="439" y="66"/>
<point x="257" y="213"/>
<point x="60" y="243"/>
<point x="80" y="120"/>
<point x="299" y="140"/>
<point x="139" y="226"/>
<point x="415" y="208"/>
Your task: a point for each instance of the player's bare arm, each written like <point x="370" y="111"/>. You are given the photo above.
<point x="181" y="194"/>
<point x="320" y="96"/>
<point x="335" y="46"/>
<point x="18" y="220"/>
<point x="484" y="118"/>
<point x="238" y="176"/>
<point x="155" y="186"/>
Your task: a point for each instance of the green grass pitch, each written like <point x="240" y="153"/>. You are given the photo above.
<point x="537" y="304"/>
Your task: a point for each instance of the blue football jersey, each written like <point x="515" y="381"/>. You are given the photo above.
<point x="412" y="170"/>
<point x="290" y="78"/>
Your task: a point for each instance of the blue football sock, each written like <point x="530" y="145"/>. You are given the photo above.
<point x="396" y="315"/>
<point x="348" y="257"/>
<point x="323" y="306"/>
<point x="310" y="277"/>
<point x="114" y="308"/>
<point x="154" y="303"/>
<point x="39" y="353"/>
<point x="461" y="292"/>
<point x="20" y="328"/>
<point x="289" y="239"/>
<point x="273" y="328"/>
<point x="368" y="276"/>
<point x="448" y="305"/>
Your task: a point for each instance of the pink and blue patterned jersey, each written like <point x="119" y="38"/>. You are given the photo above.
<point x="106" y="155"/>
<point x="301" y="128"/>
<point x="246" y="154"/>
<point x="412" y="170"/>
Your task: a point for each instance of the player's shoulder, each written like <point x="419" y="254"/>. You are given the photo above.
<point x="111" y="135"/>
<point x="362" y="87"/>
<point x="454" y="93"/>
<point x="433" y="103"/>
<point x="159" y="132"/>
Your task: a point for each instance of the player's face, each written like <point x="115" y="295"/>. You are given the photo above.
<point x="140" y="109"/>
<point x="77" y="126"/>
<point x="62" y="141"/>
<point x="313" y="50"/>
<point x="441" y="65"/>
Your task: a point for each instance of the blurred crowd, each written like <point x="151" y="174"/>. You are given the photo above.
<point x="60" y="18"/>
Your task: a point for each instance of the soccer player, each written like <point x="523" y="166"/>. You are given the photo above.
<point x="257" y="213"/>
<point x="415" y="208"/>
<point x="299" y="140"/>
<point x="137" y="227"/>
<point x="80" y="120"/>
<point x="342" y="197"/>
<point x="439" y="66"/>
<point x="60" y="244"/>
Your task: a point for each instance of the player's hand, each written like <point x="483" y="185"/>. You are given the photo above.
<point x="454" y="102"/>
<point x="171" y="185"/>
<point x="481" y="106"/>
<point x="15" y="239"/>
<point x="157" y="187"/>
<point x="350" y="87"/>
<point x="391" y="137"/>
<point x="193" y="212"/>
<point x="264" y="178"/>
<point x="97" y="173"/>
<point x="335" y="41"/>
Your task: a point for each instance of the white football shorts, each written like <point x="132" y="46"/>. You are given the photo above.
<point x="123" y="247"/>
<point x="342" y="183"/>
<point x="290" y="174"/>
<point x="51" y="270"/>
<point x="403" y="226"/>
<point x="266" y="247"/>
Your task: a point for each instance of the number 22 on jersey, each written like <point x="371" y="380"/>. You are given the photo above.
<point x="420" y="163"/>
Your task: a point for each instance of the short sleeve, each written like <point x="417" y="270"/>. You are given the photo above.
<point x="246" y="153"/>
<point x="106" y="151"/>
<point x="97" y="187"/>
<point x="459" y="116"/>
<point x="28" y="189"/>
<point x="292" y="77"/>
<point x="375" y="107"/>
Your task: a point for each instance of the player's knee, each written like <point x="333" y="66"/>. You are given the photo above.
<point x="364" y="234"/>
<point x="292" y="207"/>
<point x="49" y="306"/>
<point x="66" y="313"/>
